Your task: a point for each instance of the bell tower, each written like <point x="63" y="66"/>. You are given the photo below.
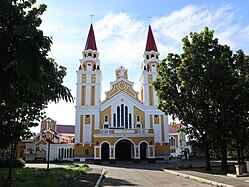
<point x="149" y="68"/>
<point x="88" y="96"/>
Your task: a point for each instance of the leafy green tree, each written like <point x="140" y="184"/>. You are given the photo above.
<point x="29" y="79"/>
<point x="190" y="87"/>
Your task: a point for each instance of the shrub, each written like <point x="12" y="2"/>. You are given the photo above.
<point x="17" y="163"/>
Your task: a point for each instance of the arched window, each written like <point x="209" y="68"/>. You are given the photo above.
<point x="114" y="120"/>
<point x="130" y="121"/>
<point x="126" y="117"/>
<point x="89" y="54"/>
<point x="138" y="118"/>
<point x="106" y="118"/>
<point x="118" y="116"/>
<point x="62" y="152"/>
<point x="122" y="115"/>
<point x="122" y="118"/>
<point x="147" y="57"/>
<point x="152" y="55"/>
<point x="71" y="153"/>
<point x="172" y="141"/>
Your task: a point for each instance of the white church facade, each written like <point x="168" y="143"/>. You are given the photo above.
<point x="124" y="125"/>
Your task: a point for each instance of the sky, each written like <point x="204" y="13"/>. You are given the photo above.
<point x="121" y="27"/>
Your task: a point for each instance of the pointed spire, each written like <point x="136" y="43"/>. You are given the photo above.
<point x="150" y="44"/>
<point x="90" y="42"/>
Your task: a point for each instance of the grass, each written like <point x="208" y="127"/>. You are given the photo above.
<point x="29" y="177"/>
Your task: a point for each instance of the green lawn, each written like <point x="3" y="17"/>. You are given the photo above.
<point x="30" y="177"/>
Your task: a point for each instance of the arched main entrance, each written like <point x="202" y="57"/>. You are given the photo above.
<point x="105" y="151"/>
<point x="124" y="150"/>
<point x="143" y="150"/>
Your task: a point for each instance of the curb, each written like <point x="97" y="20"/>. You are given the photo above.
<point x="101" y="179"/>
<point x="199" y="179"/>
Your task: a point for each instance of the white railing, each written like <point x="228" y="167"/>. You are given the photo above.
<point x="124" y="131"/>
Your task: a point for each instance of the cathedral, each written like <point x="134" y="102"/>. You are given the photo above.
<point x="126" y="124"/>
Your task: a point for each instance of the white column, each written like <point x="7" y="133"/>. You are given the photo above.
<point x="98" y="89"/>
<point x="78" y="90"/>
<point x="166" y="129"/>
<point x="147" y="120"/>
<point x="88" y="89"/>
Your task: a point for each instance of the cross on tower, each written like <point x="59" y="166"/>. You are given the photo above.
<point x="149" y="17"/>
<point x="91" y="15"/>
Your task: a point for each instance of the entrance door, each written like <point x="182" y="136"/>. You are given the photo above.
<point x="105" y="151"/>
<point x="143" y="151"/>
<point x="123" y="150"/>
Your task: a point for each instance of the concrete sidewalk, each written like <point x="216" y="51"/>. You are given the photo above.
<point x="216" y="180"/>
<point x="88" y="180"/>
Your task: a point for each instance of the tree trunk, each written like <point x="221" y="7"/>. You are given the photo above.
<point x="238" y="153"/>
<point x="223" y="149"/>
<point x="208" y="166"/>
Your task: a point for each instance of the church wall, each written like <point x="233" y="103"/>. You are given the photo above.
<point x="162" y="149"/>
<point x="141" y="114"/>
<point x="107" y="111"/>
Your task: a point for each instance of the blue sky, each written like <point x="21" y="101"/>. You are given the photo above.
<point x="120" y="28"/>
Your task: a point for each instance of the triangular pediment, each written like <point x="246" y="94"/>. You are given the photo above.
<point x="119" y="86"/>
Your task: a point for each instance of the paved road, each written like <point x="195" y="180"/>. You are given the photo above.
<point x="125" y="175"/>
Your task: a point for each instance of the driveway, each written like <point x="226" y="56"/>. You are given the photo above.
<point x="143" y="174"/>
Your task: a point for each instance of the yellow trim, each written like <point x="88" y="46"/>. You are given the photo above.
<point x="112" y="140"/>
<point x="151" y="98"/>
<point x="142" y="94"/>
<point x="81" y="128"/>
<point x="92" y="95"/>
<point x="84" y="78"/>
<point x="83" y="95"/>
<point x="162" y="127"/>
<point x="93" y="122"/>
<point x="93" y="79"/>
<point x="151" y="122"/>
<point x="122" y="86"/>
<point x="156" y="119"/>
<point x="97" y="152"/>
<point x="151" y="151"/>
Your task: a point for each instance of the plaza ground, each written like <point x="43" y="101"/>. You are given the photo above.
<point x="128" y="173"/>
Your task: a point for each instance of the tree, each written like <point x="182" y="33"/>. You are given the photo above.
<point x="192" y="85"/>
<point x="29" y="79"/>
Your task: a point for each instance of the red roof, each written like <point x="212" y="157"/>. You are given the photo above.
<point x="90" y="42"/>
<point x="66" y="129"/>
<point x="150" y="44"/>
<point x="174" y="128"/>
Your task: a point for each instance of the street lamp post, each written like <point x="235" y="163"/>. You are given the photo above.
<point x="49" y="139"/>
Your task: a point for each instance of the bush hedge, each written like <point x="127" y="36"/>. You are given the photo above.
<point x="17" y="163"/>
